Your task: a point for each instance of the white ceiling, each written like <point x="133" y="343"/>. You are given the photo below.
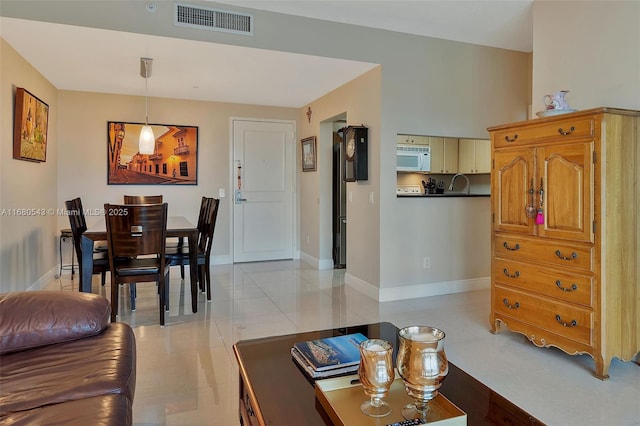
<point x="95" y="60"/>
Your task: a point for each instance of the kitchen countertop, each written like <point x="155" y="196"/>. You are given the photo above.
<point x="445" y="195"/>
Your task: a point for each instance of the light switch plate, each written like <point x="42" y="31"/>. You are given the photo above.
<point x="221" y="192"/>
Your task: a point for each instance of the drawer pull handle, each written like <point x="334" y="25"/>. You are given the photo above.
<point x="506" y="272"/>
<point x="568" y="132"/>
<point x="572" y="288"/>
<point x="573" y="323"/>
<point x="506" y="245"/>
<point x="573" y="255"/>
<point x="513" y="139"/>
<point x="506" y="303"/>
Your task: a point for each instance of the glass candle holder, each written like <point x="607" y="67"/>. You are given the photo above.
<point x="422" y="365"/>
<point x="376" y="375"/>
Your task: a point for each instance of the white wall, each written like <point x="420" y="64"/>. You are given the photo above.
<point x="426" y="86"/>
<point x="458" y="90"/>
<point x="28" y="244"/>
<point x="82" y="165"/>
<point x="360" y="100"/>
<point x="591" y="48"/>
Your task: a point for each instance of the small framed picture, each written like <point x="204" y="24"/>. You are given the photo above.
<point x="31" y="123"/>
<point x="309" y="156"/>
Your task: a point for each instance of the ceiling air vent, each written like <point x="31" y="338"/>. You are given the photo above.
<point x="187" y="15"/>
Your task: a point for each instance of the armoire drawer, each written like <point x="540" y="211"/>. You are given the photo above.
<point x="569" y="321"/>
<point x="573" y="288"/>
<point x="539" y="250"/>
<point x="559" y="130"/>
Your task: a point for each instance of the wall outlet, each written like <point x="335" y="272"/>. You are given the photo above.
<point x="426" y="262"/>
<point x="221" y="193"/>
<point x="370" y="197"/>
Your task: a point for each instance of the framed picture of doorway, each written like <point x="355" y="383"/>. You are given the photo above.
<point x="174" y="160"/>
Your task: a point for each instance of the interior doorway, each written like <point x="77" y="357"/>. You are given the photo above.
<point x="339" y="197"/>
<point x="263" y="207"/>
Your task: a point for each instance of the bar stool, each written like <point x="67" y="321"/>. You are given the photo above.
<point x="66" y="236"/>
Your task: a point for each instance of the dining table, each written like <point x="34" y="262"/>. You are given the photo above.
<point x="177" y="226"/>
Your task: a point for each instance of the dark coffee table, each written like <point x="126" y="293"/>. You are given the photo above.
<point x="274" y="391"/>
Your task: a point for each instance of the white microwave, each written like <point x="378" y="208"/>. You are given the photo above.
<point x="413" y="158"/>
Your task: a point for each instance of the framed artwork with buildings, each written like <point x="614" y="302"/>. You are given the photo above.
<point x="309" y="156"/>
<point x="174" y="160"/>
<point x="31" y="122"/>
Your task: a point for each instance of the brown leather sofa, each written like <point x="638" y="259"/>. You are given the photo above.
<point x="62" y="362"/>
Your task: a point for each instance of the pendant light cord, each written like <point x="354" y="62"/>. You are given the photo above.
<point x="146" y="95"/>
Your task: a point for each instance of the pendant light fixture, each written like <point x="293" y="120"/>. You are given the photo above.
<point x="147" y="142"/>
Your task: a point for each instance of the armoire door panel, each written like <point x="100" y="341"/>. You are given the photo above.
<point x="513" y="174"/>
<point x="567" y="174"/>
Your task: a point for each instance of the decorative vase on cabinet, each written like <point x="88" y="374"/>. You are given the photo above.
<point x="565" y="237"/>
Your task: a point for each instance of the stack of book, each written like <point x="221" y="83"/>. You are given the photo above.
<point x="329" y="357"/>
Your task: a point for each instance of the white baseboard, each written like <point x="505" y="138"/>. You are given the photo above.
<point x="315" y="262"/>
<point x="388" y="294"/>
<point x="325" y="264"/>
<point x="362" y="286"/>
<point x="46" y="279"/>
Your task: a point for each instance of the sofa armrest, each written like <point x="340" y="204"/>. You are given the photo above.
<point x="36" y="318"/>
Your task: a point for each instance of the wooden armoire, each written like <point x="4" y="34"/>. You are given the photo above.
<point x="565" y="232"/>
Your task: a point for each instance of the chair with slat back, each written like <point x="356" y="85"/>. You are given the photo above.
<point x="78" y="226"/>
<point x="150" y="199"/>
<point x="206" y="227"/>
<point x="178" y="251"/>
<point x="143" y="199"/>
<point x="136" y="235"/>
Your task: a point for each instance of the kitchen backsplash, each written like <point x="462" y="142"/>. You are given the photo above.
<point x="480" y="184"/>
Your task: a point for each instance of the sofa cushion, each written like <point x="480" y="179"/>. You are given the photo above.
<point x="84" y="368"/>
<point x="104" y="410"/>
<point x="35" y="318"/>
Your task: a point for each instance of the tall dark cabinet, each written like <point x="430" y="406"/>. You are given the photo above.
<point x="356" y="153"/>
<point x="339" y="205"/>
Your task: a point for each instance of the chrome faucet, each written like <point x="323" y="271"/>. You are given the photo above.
<point x="467" y="188"/>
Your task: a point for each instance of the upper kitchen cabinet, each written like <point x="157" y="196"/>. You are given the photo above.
<point x="444" y="155"/>
<point x="413" y="140"/>
<point x="474" y="156"/>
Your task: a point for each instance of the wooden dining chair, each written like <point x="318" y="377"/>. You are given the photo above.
<point x="206" y="226"/>
<point x="136" y="235"/>
<point x="177" y="250"/>
<point x="150" y="199"/>
<point x="143" y="199"/>
<point x="78" y="224"/>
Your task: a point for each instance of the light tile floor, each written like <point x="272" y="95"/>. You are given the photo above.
<point x="187" y="373"/>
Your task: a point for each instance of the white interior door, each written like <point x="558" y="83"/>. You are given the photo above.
<point x="263" y="162"/>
